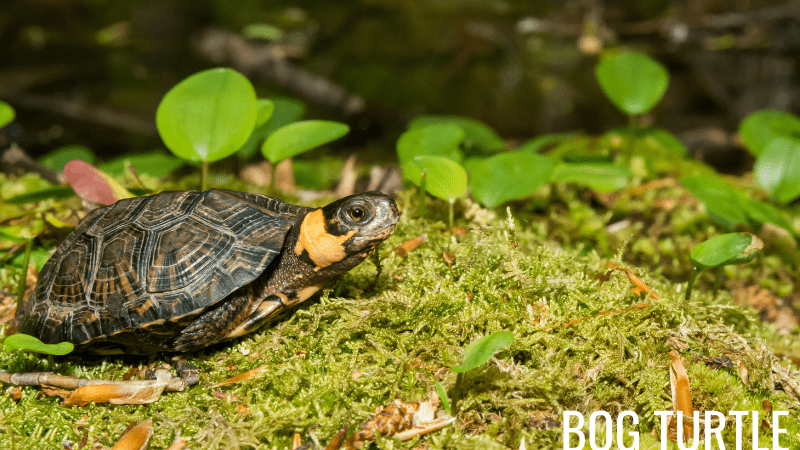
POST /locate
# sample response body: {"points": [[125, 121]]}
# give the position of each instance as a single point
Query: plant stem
{"points": [[450, 216], [633, 126], [204, 176], [23, 276], [456, 393], [421, 207], [692, 277]]}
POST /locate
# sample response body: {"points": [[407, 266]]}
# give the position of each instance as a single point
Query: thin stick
{"points": [[66, 382]]}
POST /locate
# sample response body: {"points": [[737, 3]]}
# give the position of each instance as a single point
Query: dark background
{"points": [[92, 72]]}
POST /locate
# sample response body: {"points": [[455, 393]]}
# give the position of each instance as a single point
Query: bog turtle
{"points": [[179, 271]]}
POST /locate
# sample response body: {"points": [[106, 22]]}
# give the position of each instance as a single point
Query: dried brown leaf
{"points": [[259, 174], [449, 258], [136, 438], [744, 374], [136, 393], [284, 177], [639, 286], [296, 441], [241, 377], [178, 444], [681, 392], [410, 245]]}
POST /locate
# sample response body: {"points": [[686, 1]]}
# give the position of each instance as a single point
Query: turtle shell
{"points": [[149, 265]]}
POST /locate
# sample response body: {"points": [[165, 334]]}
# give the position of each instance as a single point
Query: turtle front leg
{"points": [[272, 306], [214, 326]]}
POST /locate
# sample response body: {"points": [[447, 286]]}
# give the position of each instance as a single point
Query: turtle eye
{"points": [[356, 213]]}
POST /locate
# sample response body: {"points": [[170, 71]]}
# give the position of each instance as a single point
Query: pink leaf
{"points": [[92, 184]]}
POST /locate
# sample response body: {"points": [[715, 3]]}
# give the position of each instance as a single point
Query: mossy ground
{"points": [[361, 344]]}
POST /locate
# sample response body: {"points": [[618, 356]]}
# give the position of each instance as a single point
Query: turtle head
{"points": [[347, 229]]}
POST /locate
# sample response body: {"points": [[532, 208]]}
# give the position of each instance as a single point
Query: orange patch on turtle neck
{"points": [[323, 248]]}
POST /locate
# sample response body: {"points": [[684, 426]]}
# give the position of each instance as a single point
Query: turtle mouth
{"points": [[376, 236]]}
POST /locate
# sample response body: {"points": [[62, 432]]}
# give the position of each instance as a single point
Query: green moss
{"points": [[359, 345]]}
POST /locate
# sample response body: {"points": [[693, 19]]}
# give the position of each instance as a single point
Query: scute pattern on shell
{"points": [[149, 265]]}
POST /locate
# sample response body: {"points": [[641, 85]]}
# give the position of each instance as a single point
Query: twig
{"points": [[65, 382], [80, 110], [15, 161], [269, 62], [616, 311]]}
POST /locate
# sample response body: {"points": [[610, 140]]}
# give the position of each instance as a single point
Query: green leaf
{"points": [[656, 137], [263, 31], [29, 343], [207, 116], [726, 249], [723, 204], [265, 124], [439, 139], [58, 192], [633, 81], [546, 140], [156, 164], [59, 157], [777, 169], [598, 177], [508, 176], [265, 109], [320, 174], [482, 349], [299, 137], [762, 127], [443, 397], [286, 111], [7, 114], [761, 213], [478, 137], [444, 178]]}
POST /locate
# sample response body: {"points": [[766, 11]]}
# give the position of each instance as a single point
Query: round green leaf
{"points": [[272, 114], [482, 349], [726, 249], [208, 116], [7, 114], [777, 169], [444, 178], [299, 137], [723, 204], [598, 177], [477, 135], [157, 164], [761, 213], [265, 109], [438, 139], [656, 137], [29, 343], [545, 140], [633, 81], [59, 157], [508, 176], [762, 127]]}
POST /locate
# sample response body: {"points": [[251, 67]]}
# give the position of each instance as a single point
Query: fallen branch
{"points": [[15, 161], [175, 384]]}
